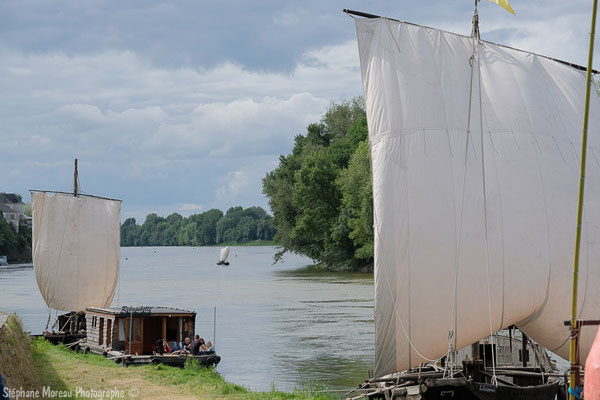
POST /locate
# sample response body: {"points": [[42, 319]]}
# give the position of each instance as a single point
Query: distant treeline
{"points": [[212, 227], [16, 246]]}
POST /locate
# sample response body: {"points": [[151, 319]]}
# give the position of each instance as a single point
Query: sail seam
{"points": [[502, 242]]}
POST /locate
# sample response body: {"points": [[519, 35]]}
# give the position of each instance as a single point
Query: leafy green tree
{"points": [[28, 210], [16, 246], [311, 194], [316, 199], [208, 230], [189, 235], [339, 118], [357, 201], [8, 238]]}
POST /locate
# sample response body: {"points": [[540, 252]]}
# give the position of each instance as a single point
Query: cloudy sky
{"points": [[183, 106]]}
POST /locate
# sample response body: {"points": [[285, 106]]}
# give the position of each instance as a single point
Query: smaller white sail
{"points": [[224, 254]]}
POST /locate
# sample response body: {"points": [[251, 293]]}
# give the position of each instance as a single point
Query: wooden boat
{"points": [[128, 335], [475, 166], [76, 250]]}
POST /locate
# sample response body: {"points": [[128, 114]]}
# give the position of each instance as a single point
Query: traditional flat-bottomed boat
{"points": [[129, 335]]}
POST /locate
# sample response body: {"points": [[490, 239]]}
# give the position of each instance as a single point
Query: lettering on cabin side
{"points": [[487, 388], [136, 310]]}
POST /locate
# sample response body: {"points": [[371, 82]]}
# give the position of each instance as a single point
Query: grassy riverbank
{"points": [[16, 356], [37, 365]]}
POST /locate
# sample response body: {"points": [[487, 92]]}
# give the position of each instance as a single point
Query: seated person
{"points": [[186, 344], [158, 348], [209, 346], [195, 345], [184, 347], [166, 348], [175, 346], [202, 345]]}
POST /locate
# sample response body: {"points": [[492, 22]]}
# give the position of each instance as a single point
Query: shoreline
{"points": [[256, 243], [50, 371]]}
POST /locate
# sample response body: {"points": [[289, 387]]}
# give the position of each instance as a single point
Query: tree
{"points": [[8, 237], [28, 210], [129, 232], [316, 211], [208, 228], [16, 246], [357, 201], [316, 199]]}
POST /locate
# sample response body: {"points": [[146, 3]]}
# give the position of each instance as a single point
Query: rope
{"points": [[48, 322], [485, 222], [453, 319], [404, 329]]}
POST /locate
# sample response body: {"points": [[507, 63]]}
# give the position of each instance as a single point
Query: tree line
{"points": [[16, 246], [237, 225], [321, 194]]}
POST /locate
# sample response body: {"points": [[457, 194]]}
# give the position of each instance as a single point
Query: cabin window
{"points": [[101, 336], [108, 331], [121, 329], [137, 330]]}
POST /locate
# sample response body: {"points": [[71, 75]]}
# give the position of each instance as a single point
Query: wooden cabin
{"points": [[135, 330]]}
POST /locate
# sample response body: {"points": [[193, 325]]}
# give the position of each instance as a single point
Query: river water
{"points": [[276, 325]]}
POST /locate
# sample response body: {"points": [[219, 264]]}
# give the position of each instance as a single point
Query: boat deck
{"points": [[206, 359]]}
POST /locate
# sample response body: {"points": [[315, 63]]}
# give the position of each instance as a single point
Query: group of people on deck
{"points": [[188, 346]]}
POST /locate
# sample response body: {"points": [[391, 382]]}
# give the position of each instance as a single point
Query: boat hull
{"points": [[460, 388]]}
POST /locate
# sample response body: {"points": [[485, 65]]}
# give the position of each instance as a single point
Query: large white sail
{"points": [[475, 157], [76, 247]]}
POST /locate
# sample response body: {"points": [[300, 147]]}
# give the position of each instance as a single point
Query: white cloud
{"points": [[237, 181], [149, 131], [191, 207], [161, 120]]}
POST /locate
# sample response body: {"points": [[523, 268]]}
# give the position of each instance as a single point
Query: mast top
{"points": [[75, 178], [475, 30]]}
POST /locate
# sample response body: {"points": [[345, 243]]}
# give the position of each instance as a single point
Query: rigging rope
{"points": [[485, 221], [454, 316]]}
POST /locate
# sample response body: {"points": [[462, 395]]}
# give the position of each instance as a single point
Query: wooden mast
{"points": [[575, 327], [75, 176]]}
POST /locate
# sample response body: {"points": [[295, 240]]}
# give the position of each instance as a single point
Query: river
{"points": [[279, 325]]}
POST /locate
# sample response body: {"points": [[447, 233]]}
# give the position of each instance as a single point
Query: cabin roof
{"points": [[140, 310]]}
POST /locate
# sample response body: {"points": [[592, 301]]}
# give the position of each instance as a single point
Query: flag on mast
{"points": [[504, 4]]}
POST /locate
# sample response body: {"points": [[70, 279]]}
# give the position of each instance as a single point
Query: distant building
{"points": [[13, 209]]}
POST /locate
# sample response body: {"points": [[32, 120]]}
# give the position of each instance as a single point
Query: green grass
{"points": [[65, 370], [16, 363]]}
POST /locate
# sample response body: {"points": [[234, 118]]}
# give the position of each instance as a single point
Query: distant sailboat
{"points": [[223, 256], [76, 248]]}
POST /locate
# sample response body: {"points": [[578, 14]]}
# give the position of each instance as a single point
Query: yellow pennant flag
{"points": [[504, 4]]}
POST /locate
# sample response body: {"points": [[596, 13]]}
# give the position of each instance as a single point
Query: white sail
{"points": [[76, 246], [224, 254], [475, 228]]}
